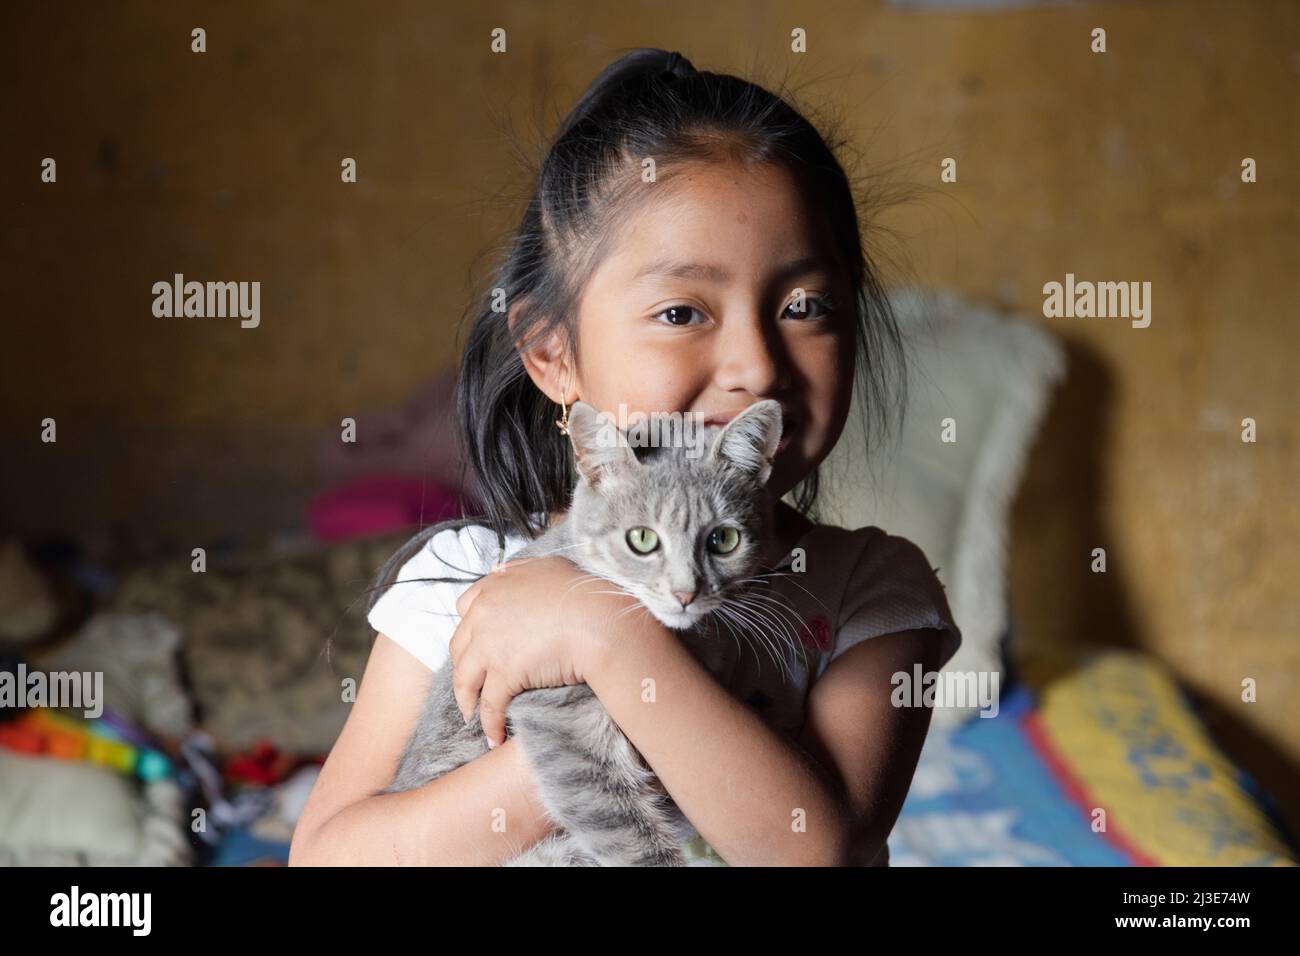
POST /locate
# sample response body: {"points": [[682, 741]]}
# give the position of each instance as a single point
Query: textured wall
{"points": [[1119, 166]]}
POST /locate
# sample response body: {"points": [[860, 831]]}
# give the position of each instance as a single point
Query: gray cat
{"points": [[683, 530]]}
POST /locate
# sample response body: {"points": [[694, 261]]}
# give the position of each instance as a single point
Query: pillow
{"points": [[56, 812], [993, 377], [1122, 737], [67, 813], [1113, 733]]}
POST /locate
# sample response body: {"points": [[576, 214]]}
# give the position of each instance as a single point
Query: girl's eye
{"points": [[642, 540], [811, 304], [723, 540], [679, 315]]}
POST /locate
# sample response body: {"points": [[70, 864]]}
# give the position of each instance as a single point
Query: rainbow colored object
{"points": [[43, 731]]}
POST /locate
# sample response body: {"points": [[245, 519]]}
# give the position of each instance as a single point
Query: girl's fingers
{"points": [[462, 639], [459, 641], [492, 706], [470, 680], [467, 678]]}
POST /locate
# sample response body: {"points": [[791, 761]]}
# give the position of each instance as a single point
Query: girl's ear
{"points": [[544, 356], [749, 440], [601, 451]]}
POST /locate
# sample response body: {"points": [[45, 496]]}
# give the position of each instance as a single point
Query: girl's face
{"points": [[696, 310]]}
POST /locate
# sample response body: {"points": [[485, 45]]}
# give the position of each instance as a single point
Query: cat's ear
{"points": [[600, 449], [749, 440]]}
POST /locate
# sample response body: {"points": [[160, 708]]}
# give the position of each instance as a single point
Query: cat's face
{"points": [[679, 528]]}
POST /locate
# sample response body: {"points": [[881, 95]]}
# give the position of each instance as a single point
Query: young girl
{"points": [[692, 246]]}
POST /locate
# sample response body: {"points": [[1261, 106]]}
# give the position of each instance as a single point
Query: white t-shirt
{"points": [[842, 587]]}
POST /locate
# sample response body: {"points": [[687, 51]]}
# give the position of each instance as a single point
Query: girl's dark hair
{"points": [[647, 103]]}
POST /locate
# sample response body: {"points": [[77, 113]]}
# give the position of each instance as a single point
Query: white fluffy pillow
{"points": [[68, 813], [994, 377]]}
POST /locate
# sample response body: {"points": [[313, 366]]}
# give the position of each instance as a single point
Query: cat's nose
{"points": [[686, 597]]}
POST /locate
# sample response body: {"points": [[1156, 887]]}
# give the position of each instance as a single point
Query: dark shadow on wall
{"points": [[1059, 603], [1062, 610]]}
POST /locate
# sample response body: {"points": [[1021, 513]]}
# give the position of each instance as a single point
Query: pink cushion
{"points": [[379, 504]]}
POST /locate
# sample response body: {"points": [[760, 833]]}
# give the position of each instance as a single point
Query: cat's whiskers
{"points": [[716, 619], [583, 579], [768, 598], [557, 549], [755, 628], [554, 551], [721, 618], [776, 605], [782, 634], [756, 638], [771, 605], [638, 606], [792, 576]]}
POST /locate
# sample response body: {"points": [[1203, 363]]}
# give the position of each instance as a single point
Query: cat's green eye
{"points": [[642, 540], [723, 540]]}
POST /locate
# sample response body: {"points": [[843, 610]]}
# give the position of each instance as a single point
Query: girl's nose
{"points": [[750, 358]]}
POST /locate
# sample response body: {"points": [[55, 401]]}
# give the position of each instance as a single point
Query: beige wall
{"points": [[1122, 166]]}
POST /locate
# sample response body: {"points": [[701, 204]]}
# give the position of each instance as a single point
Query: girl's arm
{"points": [[869, 746], [452, 821], [756, 798]]}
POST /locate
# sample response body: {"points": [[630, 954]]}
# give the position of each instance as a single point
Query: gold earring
{"points": [[562, 423]]}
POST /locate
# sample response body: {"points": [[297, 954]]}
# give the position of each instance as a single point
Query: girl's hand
{"points": [[532, 622]]}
